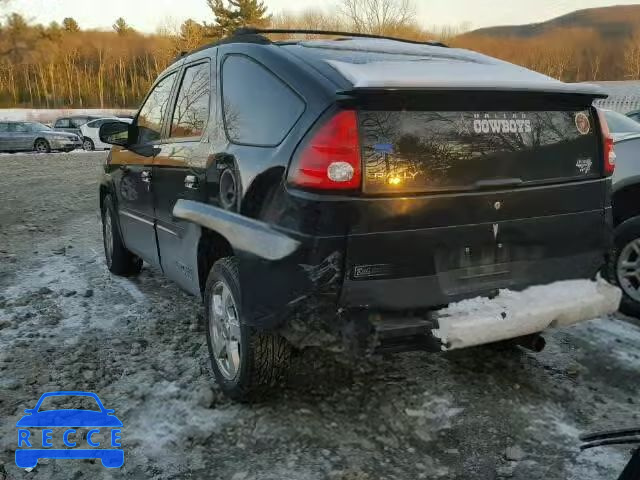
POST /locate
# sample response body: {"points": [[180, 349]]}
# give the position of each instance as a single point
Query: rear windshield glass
{"points": [[415, 151]]}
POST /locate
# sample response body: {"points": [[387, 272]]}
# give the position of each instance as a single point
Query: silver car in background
{"points": [[34, 136]]}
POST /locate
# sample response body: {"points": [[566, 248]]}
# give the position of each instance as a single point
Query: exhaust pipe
{"points": [[534, 343]]}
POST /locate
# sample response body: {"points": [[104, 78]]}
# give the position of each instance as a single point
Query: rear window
{"points": [[619, 123], [259, 108], [412, 151]]}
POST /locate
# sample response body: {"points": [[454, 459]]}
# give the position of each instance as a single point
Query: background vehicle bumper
{"points": [[65, 144]]}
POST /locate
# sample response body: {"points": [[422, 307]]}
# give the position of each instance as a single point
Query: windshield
{"points": [[619, 123], [37, 127], [63, 402]]}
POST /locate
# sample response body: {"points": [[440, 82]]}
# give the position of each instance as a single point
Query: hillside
{"points": [[610, 22]]}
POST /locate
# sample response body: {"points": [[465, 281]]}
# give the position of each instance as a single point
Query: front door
{"points": [[134, 179], [179, 173]]}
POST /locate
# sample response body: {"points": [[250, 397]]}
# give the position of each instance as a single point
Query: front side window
{"points": [[192, 106], [259, 108], [154, 111]]}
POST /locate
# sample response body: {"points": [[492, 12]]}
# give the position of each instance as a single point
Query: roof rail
{"points": [[258, 31]]}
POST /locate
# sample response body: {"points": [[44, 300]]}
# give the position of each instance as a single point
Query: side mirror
{"points": [[115, 133], [30, 410], [109, 411]]}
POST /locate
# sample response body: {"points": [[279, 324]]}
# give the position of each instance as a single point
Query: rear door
{"points": [[179, 170], [471, 193], [5, 138], [134, 176]]}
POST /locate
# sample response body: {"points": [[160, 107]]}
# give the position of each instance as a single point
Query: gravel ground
{"points": [[67, 324]]}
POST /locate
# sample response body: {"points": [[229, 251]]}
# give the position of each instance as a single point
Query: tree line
{"points": [[63, 66]]}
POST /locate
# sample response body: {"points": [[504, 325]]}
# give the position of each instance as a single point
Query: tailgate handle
{"points": [[502, 182]]}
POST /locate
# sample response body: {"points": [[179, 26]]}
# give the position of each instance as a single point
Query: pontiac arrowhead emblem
{"points": [[495, 231]]}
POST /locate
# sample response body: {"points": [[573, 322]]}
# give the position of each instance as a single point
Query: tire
{"points": [[626, 276], [87, 144], [41, 146], [120, 261], [256, 362]]}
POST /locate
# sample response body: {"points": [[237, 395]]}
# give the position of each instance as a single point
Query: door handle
{"points": [[191, 182], [145, 176]]}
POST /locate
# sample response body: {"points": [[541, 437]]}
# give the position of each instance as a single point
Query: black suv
{"points": [[362, 194]]}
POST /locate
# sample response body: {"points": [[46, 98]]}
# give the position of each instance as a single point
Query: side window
{"points": [[154, 111], [259, 109], [78, 122], [62, 123], [192, 105], [18, 127], [4, 127]]}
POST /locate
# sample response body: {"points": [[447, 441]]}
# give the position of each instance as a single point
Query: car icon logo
{"points": [[42, 427]]}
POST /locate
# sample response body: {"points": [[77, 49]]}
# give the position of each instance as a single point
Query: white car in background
{"points": [[91, 133]]}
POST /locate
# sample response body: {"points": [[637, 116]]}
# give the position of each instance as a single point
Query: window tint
{"points": [[4, 127], [259, 109], [154, 111], [192, 106], [63, 123]]}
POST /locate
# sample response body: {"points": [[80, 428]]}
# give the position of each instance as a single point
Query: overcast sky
{"points": [[147, 15]]}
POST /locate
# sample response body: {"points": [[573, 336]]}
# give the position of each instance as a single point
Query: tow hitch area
{"points": [[516, 314]]}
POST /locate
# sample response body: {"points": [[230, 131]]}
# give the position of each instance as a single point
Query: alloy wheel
{"points": [[224, 330], [42, 147], [628, 269]]}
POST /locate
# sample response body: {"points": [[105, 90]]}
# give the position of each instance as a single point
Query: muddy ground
{"points": [[67, 324]]}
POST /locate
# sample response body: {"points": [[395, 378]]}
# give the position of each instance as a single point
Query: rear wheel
{"points": [[119, 260], [41, 146], [246, 363], [626, 266], [87, 144]]}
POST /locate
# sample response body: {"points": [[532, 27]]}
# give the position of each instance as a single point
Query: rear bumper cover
{"points": [[516, 314]]}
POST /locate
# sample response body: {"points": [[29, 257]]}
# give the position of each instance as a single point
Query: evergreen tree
{"points": [[70, 25], [238, 13], [121, 27]]}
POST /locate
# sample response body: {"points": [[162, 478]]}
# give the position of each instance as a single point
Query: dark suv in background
{"points": [[73, 124], [364, 194]]}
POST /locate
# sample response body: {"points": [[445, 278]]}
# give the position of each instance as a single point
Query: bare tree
{"points": [[378, 16], [632, 57]]}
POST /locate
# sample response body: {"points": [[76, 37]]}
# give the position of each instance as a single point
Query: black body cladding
{"points": [[463, 193]]}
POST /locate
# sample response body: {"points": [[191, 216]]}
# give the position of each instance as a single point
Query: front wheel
{"points": [[627, 265], [246, 363], [42, 146], [119, 260], [87, 144]]}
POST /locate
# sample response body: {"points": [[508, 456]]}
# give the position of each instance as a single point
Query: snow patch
{"points": [[480, 320]]}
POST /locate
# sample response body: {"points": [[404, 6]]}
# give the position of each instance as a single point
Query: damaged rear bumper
{"points": [[511, 314]]}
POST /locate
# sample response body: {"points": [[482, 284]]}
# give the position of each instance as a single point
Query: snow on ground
{"points": [[483, 413], [45, 115]]}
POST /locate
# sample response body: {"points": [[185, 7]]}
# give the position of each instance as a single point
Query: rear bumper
{"points": [[516, 314]]}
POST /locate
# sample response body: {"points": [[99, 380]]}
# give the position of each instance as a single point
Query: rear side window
{"points": [[63, 123], [78, 121], [192, 106], [259, 108], [154, 111]]}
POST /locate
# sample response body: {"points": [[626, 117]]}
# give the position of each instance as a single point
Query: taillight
{"points": [[607, 141], [330, 159]]}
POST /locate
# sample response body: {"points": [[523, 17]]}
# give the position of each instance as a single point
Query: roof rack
{"points": [[257, 31]]}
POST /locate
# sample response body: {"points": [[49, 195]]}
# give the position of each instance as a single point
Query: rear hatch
{"points": [[475, 174], [484, 191]]}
